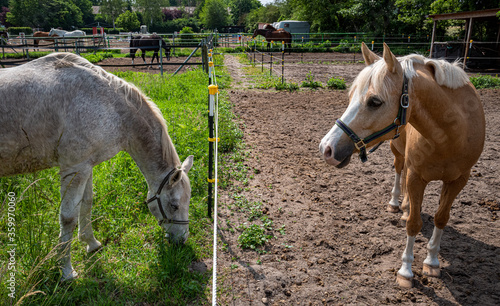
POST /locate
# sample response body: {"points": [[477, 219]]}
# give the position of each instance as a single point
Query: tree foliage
{"points": [[214, 14], [128, 21]]}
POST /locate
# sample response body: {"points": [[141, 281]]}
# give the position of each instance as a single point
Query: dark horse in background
{"points": [[276, 36], [147, 43]]}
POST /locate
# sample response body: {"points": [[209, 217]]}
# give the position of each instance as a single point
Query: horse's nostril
{"points": [[328, 152]]}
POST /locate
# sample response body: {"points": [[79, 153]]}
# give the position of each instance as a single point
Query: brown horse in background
{"points": [[277, 36], [44, 36]]}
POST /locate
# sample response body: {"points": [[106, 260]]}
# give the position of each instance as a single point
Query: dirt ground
{"points": [[341, 247]]}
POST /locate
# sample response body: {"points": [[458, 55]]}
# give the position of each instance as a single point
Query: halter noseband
{"points": [[158, 201], [360, 144]]}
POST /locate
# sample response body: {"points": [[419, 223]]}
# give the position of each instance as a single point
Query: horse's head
{"points": [[373, 111], [170, 203], [255, 33], [52, 32]]}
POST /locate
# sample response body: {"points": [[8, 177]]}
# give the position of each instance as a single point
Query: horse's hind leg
{"points": [[448, 194], [73, 184], [85, 231]]}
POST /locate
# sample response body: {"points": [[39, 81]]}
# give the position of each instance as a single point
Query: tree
{"points": [[240, 8], [45, 13], [412, 15], [86, 7], [268, 14], [151, 9], [112, 9], [128, 21], [214, 14]]}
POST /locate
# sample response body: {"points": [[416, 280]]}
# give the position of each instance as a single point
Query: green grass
{"points": [[136, 265], [310, 82]]}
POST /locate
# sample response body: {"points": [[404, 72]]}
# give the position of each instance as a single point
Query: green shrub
{"points": [[336, 83], [16, 30], [485, 81]]}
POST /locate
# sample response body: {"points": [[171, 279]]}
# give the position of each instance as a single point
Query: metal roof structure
{"points": [[470, 18]]}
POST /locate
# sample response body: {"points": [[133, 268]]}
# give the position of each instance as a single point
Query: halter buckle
{"points": [[405, 100], [360, 145]]}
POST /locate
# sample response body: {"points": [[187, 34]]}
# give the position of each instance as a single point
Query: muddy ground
{"points": [[339, 245]]}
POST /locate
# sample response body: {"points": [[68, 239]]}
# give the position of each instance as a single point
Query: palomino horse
{"points": [[148, 42], [444, 134], [276, 36], [46, 125], [43, 36]]}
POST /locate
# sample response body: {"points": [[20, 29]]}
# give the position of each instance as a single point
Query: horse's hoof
{"points": [[392, 209], [432, 271], [71, 276], [404, 282], [96, 247]]}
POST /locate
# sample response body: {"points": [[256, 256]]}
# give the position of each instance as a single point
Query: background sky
{"points": [[264, 2]]}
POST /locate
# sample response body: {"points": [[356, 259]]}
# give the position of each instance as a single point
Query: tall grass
{"points": [[136, 264]]}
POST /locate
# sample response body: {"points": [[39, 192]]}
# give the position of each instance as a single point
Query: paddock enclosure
{"points": [[338, 245]]}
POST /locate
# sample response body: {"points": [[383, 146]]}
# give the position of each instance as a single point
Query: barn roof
{"points": [[484, 14]]}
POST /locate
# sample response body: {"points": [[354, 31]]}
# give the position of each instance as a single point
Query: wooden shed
{"points": [[474, 53]]}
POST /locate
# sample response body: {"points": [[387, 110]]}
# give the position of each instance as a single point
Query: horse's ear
{"points": [[187, 164], [368, 55], [175, 178], [391, 61]]}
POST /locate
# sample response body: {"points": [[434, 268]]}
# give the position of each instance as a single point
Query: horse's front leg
{"points": [[73, 183], [85, 231], [399, 161], [415, 190]]}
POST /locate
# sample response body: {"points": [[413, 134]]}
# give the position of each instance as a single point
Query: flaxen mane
{"points": [[445, 74], [133, 97]]}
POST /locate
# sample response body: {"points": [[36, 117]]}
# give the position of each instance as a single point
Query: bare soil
{"points": [[169, 67], [340, 246]]}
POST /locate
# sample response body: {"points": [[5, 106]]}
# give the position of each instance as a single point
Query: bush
{"points": [[336, 83], [485, 81], [14, 31]]}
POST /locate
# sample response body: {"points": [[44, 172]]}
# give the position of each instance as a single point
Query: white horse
{"points": [[62, 111], [63, 33]]}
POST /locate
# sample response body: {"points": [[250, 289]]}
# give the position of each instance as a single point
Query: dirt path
{"points": [[337, 243]]}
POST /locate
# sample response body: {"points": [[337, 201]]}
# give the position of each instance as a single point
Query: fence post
{"points": [[212, 91], [161, 57], [282, 62], [204, 56]]}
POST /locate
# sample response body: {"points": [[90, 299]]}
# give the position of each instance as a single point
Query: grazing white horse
{"points": [[63, 33], [62, 111], [437, 114]]}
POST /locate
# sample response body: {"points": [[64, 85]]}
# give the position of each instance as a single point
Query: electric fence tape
{"points": [[215, 96]]}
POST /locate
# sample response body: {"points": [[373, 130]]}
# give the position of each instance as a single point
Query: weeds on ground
{"points": [[310, 82], [336, 83]]}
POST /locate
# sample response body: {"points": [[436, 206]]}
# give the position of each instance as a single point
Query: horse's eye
{"points": [[374, 102]]}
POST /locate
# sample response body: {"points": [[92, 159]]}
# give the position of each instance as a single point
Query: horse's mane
{"points": [[133, 97], [446, 74]]}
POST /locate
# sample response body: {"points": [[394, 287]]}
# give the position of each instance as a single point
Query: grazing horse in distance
{"points": [[45, 125], [148, 42], [437, 114], [276, 36], [63, 33], [43, 36]]}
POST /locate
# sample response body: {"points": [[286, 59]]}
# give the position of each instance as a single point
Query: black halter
{"points": [[361, 143], [158, 201]]}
